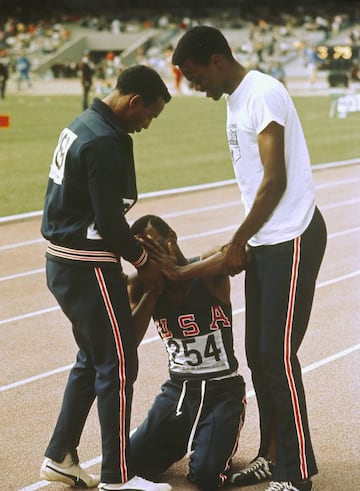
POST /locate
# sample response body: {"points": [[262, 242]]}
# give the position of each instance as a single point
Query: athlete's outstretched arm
{"points": [[211, 263], [142, 303]]}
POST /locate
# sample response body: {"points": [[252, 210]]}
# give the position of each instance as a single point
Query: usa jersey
{"points": [[197, 334]]}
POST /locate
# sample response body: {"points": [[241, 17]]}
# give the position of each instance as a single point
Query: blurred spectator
{"points": [[109, 64], [355, 71], [277, 71], [311, 63], [4, 75], [23, 66], [259, 47], [86, 70], [116, 27], [175, 70]]}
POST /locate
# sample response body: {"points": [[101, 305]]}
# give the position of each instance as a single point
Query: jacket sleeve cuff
{"points": [[142, 260]]}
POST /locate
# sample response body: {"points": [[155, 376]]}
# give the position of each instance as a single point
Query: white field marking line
{"points": [[193, 211], [55, 308], [203, 209], [152, 339], [340, 203], [181, 239], [249, 394], [187, 189], [189, 212], [21, 275], [238, 203], [21, 244], [341, 182], [30, 314]]}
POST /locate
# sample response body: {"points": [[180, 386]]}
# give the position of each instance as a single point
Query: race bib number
{"points": [[67, 137], [197, 355]]}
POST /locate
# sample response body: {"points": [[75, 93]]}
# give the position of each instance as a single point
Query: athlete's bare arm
{"points": [[211, 267], [142, 303], [271, 189]]}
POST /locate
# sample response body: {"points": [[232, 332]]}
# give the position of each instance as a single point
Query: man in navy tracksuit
{"points": [[91, 186]]}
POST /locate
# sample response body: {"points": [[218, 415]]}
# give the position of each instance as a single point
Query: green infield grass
{"points": [[185, 146]]}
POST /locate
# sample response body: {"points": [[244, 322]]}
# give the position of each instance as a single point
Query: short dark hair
{"points": [[155, 221], [199, 44], [144, 81]]}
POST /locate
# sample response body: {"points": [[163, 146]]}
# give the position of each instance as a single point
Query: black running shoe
{"points": [[259, 470]]}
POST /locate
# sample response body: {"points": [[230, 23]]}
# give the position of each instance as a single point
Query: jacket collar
{"points": [[99, 106]]}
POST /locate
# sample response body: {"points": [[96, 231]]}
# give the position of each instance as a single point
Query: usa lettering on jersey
{"points": [[194, 352], [189, 326]]}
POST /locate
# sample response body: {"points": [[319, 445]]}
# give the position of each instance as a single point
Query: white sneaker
{"points": [[136, 484], [68, 472]]}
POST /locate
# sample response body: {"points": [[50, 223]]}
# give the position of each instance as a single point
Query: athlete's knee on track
{"points": [[206, 478]]}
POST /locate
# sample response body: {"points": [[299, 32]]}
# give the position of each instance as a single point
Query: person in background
{"points": [[285, 235], [4, 75], [86, 72], [91, 186], [175, 70], [23, 66], [201, 408], [277, 71]]}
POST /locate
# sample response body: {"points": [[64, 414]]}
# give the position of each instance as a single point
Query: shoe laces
{"points": [[279, 486], [258, 463]]}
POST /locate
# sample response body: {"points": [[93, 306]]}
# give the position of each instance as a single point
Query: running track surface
{"points": [[37, 348]]}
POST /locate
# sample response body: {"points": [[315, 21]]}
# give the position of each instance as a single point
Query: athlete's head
{"points": [[139, 96], [199, 44], [205, 58], [144, 81], [156, 228]]}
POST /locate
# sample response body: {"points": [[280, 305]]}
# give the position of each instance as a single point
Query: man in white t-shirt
{"points": [[285, 236]]}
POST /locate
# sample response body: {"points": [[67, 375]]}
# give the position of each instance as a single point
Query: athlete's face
{"points": [[160, 239], [160, 243], [207, 78], [140, 115]]}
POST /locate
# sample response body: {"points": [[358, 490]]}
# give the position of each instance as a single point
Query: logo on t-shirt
{"points": [[233, 143]]}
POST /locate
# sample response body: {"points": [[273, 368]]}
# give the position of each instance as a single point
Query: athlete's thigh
{"points": [[277, 283], [96, 302], [267, 293], [219, 428], [162, 436]]}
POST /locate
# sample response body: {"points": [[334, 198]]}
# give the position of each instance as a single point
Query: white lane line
{"points": [[65, 368], [347, 202], [208, 208], [181, 239], [52, 309], [343, 232], [340, 182], [331, 358], [21, 244], [28, 380], [339, 278], [200, 187], [30, 314], [20, 275], [148, 340], [249, 394]]}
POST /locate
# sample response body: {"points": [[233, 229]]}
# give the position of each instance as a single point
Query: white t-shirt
{"points": [[257, 101]]}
